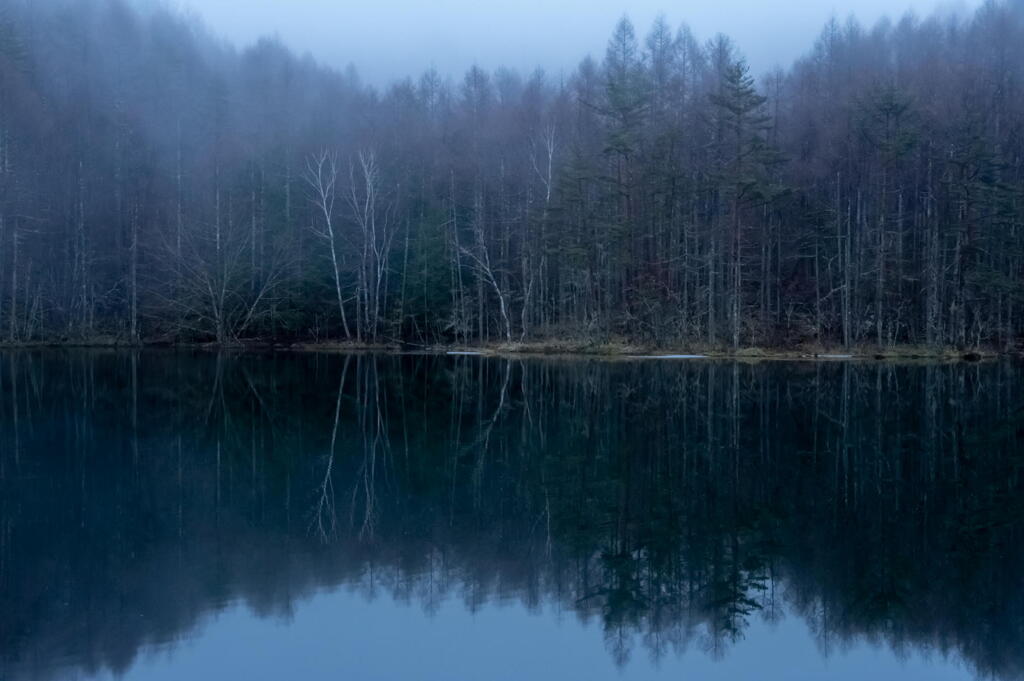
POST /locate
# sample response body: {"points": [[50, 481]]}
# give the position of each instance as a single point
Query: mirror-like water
{"points": [[169, 515]]}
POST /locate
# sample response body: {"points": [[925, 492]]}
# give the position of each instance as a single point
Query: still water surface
{"points": [[178, 515]]}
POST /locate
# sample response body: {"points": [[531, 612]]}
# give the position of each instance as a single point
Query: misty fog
{"points": [[394, 38], [659, 183]]}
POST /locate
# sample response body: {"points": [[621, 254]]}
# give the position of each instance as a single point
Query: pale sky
{"points": [[389, 39]]}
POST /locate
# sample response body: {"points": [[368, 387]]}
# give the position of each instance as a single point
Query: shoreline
{"points": [[555, 349]]}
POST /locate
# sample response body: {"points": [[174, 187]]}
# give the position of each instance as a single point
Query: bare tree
{"points": [[322, 178], [373, 216], [480, 261], [216, 293]]}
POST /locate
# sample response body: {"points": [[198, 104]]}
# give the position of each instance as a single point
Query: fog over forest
{"points": [[158, 184], [390, 39]]}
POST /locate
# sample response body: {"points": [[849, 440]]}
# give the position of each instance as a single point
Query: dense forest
{"points": [[157, 184], [141, 492]]}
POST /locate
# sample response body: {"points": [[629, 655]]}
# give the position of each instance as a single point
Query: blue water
{"points": [[179, 515]]}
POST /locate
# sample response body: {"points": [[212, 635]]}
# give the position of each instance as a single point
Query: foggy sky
{"points": [[389, 39]]}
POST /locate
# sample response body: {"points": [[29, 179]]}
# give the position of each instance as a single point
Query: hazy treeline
{"points": [[156, 184], [138, 493]]}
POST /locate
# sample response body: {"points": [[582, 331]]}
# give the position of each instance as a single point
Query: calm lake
{"points": [[188, 515]]}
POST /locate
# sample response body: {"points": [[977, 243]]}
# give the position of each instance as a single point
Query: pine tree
{"points": [[746, 160]]}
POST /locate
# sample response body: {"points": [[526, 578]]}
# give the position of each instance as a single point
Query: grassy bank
{"points": [[622, 349], [692, 351]]}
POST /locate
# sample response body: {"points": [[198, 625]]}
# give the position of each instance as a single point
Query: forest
{"points": [[158, 185]]}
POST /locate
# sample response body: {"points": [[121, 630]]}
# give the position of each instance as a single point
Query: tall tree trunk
{"points": [[737, 274], [134, 273], [13, 320], [880, 262]]}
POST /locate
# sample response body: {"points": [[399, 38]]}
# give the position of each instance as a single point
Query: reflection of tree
{"points": [[875, 501], [376, 447], [325, 516]]}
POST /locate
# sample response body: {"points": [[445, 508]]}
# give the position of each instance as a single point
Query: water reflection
{"points": [[675, 505]]}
